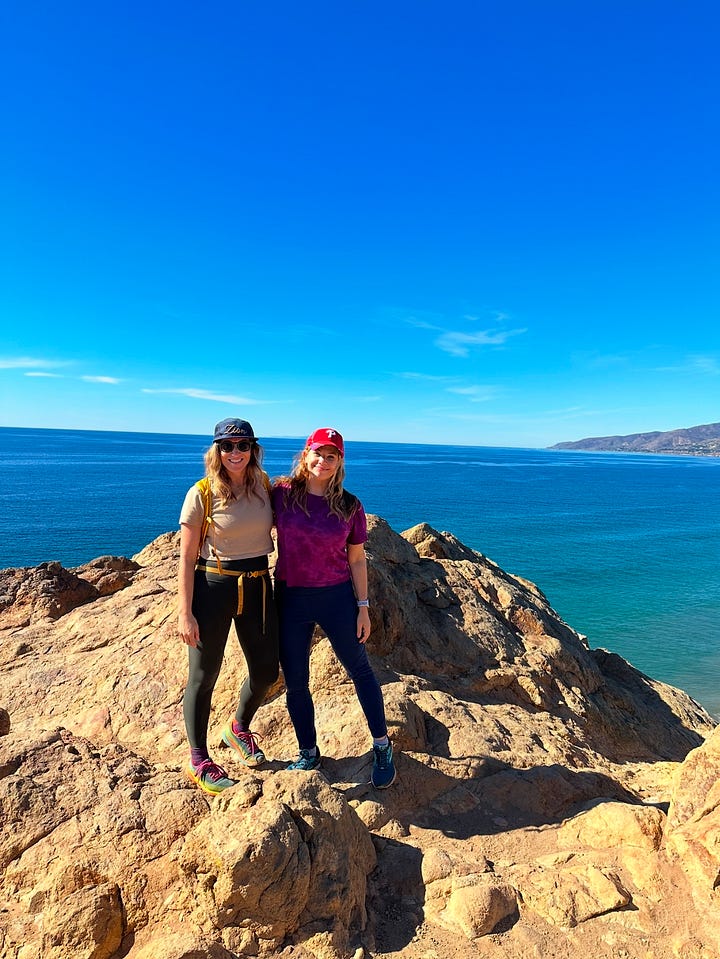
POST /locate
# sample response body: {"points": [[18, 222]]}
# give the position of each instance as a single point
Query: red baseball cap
{"points": [[326, 437]]}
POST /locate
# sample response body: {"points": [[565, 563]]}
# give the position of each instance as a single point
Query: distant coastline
{"points": [[693, 441]]}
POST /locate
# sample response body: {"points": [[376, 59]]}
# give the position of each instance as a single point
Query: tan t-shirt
{"points": [[239, 530]]}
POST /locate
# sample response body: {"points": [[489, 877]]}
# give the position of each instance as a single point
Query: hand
{"points": [[363, 624], [188, 629]]}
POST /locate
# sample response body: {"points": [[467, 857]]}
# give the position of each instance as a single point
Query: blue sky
{"points": [[459, 222]]}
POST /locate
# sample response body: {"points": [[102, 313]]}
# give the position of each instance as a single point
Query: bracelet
{"points": [[364, 602]]}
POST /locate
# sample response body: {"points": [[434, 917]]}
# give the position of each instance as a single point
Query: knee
{"points": [[296, 673], [202, 681], [358, 665], [297, 685]]}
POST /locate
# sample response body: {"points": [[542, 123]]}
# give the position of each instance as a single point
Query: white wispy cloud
{"points": [[101, 379], [498, 317], [29, 362], [53, 376], [695, 363], [461, 342], [476, 394], [458, 343], [196, 394], [538, 417], [603, 361], [422, 324], [425, 377]]}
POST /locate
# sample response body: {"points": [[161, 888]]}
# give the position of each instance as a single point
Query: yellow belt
{"points": [[240, 575]]}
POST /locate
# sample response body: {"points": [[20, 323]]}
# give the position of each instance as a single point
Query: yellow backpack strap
{"points": [[203, 486]]}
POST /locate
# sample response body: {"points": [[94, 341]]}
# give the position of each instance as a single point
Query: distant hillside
{"points": [[694, 441]]}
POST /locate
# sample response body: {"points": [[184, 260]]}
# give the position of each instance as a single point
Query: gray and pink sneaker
{"points": [[245, 744], [209, 777]]}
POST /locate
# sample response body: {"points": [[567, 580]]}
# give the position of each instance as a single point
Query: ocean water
{"points": [[626, 547]]}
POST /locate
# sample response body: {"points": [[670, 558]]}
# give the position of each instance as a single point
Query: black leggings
{"points": [[215, 605]]}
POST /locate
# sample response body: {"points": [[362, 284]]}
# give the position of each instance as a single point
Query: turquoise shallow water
{"points": [[626, 547]]}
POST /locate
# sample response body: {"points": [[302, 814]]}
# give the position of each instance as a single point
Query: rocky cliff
{"points": [[552, 801]]}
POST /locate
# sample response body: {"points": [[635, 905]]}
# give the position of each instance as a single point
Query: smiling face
{"points": [[233, 459], [323, 463]]}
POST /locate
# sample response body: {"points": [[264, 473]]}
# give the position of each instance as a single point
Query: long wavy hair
{"points": [[219, 477], [340, 502]]}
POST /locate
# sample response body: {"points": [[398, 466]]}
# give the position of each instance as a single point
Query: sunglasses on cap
{"points": [[242, 446]]}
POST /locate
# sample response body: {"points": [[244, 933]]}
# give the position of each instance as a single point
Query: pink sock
{"points": [[198, 756]]}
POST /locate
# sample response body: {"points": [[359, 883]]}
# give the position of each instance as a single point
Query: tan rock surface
{"points": [[530, 817], [693, 834]]}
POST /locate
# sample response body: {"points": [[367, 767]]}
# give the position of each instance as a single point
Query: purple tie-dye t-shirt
{"points": [[312, 550]]}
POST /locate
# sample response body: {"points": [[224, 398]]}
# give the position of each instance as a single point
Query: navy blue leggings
{"points": [[334, 609]]}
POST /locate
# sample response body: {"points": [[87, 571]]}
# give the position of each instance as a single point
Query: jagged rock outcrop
{"points": [[49, 591], [551, 799]]}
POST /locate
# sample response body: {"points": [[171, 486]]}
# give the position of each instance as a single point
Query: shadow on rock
{"points": [[396, 895]]}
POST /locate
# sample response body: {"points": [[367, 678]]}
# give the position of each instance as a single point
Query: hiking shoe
{"points": [[245, 744], [383, 771], [209, 777], [306, 761]]}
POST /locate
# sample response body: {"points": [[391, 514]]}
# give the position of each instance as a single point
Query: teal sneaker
{"points": [[209, 777], [245, 745], [306, 761], [383, 771]]}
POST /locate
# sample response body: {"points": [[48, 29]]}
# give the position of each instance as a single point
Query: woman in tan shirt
{"points": [[223, 578]]}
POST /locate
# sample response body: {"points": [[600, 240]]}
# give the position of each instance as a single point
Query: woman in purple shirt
{"points": [[321, 579]]}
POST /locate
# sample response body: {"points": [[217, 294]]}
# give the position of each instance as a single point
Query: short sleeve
{"points": [[193, 509], [358, 528]]}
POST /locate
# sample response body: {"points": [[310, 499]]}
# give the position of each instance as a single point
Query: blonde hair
{"points": [[340, 502], [220, 482]]}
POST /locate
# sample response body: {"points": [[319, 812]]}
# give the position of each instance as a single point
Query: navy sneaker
{"points": [[383, 771], [306, 761]]}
